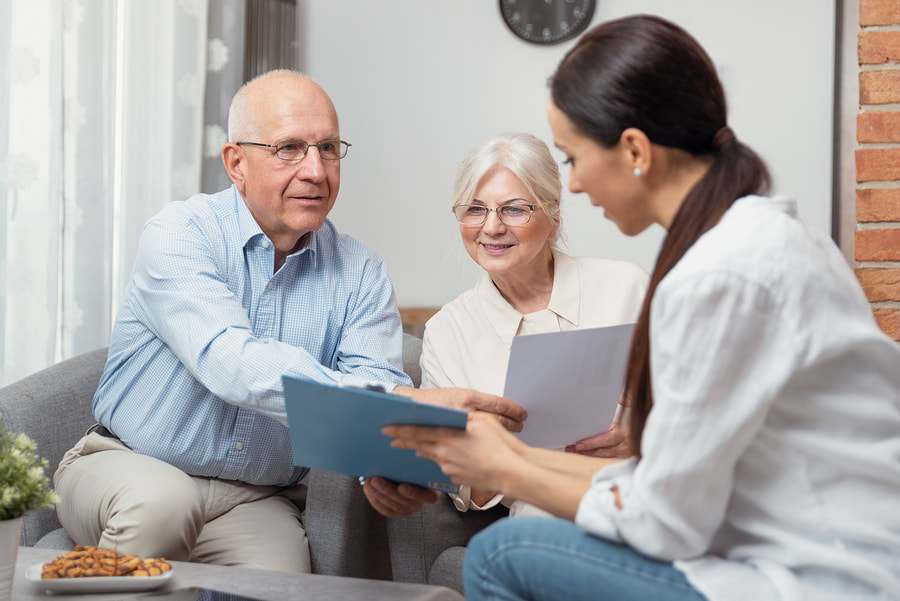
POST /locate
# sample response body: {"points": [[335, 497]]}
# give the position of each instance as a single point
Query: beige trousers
{"points": [[115, 498]]}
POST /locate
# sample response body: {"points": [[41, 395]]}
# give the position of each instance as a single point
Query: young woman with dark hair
{"points": [[765, 401]]}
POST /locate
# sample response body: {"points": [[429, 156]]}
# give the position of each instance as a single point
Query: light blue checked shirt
{"points": [[206, 331]]}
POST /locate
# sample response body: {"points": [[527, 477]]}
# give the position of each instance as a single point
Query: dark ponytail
{"points": [[647, 73]]}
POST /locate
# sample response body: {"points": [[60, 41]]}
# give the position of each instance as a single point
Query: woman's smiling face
{"points": [[504, 249]]}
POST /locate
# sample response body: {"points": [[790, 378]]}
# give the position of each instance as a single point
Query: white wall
{"points": [[418, 82]]}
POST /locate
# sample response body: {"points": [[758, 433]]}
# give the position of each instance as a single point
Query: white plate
{"points": [[96, 584]]}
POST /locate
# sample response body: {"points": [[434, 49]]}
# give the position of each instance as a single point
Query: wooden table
{"points": [[260, 584]]}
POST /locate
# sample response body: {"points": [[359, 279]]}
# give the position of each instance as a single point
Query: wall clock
{"points": [[547, 21]]}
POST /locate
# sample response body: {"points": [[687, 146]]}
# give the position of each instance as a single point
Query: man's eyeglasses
{"points": [[294, 150], [514, 214]]}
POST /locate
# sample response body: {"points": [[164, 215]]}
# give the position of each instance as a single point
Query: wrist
{"points": [[510, 477], [622, 415]]}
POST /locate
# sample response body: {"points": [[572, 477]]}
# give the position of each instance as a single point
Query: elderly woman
{"points": [[506, 199]]}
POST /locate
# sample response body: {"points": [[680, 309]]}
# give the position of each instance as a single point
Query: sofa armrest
{"points": [[53, 407]]}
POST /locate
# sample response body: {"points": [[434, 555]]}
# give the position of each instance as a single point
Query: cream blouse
{"points": [[467, 343]]}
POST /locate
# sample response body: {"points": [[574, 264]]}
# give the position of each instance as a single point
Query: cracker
{"points": [[86, 561]]}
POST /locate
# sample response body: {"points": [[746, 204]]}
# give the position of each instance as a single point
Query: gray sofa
{"points": [[346, 536]]}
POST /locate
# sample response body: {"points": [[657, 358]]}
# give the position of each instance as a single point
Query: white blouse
{"points": [[771, 458], [467, 343]]}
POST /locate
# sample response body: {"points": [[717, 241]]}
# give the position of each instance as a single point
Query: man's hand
{"points": [[612, 443], [396, 500], [511, 415]]}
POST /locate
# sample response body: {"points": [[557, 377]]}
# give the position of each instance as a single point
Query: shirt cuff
{"points": [[492, 502], [463, 500], [597, 510]]}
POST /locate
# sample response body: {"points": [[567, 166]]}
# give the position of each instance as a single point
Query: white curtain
{"points": [[108, 110]]}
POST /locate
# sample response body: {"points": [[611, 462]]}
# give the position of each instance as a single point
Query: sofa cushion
{"points": [[53, 407]]}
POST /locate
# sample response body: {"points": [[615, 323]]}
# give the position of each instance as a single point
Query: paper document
{"points": [[338, 429], [569, 382]]}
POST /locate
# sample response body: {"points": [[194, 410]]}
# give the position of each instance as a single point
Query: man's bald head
{"points": [[244, 115]]}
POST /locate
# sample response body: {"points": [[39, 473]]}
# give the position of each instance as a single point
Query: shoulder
{"points": [[458, 311], [211, 219], [598, 276], [201, 221], [750, 242], [622, 272], [759, 249], [330, 240], [459, 321], [199, 208], [346, 257]]}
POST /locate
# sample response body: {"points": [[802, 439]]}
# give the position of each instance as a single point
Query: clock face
{"points": [[547, 21]]}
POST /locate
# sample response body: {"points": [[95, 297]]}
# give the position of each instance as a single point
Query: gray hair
{"points": [[527, 157], [241, 125]]}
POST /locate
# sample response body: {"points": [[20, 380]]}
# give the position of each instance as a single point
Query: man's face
{"points": [[289, 198]]}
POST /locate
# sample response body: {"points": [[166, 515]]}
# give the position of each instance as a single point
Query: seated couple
{"points": [[191, 458]]}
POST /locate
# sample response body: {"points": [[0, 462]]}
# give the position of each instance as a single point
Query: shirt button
{"points": [[460, 504], [269, 287], [265, 244], [239, 446]]}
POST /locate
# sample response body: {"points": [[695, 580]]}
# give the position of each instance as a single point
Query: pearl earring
{"points": [[638, 172]]}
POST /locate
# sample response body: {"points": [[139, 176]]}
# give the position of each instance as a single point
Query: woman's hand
{"points": [[612, 443], [480, 456]]}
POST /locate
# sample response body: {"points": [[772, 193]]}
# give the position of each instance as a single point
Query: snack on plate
{"points": [[88, 561]]}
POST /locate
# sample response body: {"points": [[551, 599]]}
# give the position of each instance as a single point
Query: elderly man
{"points": [[191, 459]]}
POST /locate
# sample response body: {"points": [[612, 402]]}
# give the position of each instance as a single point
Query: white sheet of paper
{"points": [[569, 382]]}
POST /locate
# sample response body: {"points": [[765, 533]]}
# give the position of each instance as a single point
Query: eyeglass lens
{"points": [[328, 149], [508, 214]]}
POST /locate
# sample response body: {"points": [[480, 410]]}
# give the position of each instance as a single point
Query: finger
{"points": [[613, 436], [402, 496], [395, 502], [426, 433], [509, 424], [425, 450], [598, 442], [418, 494], [497, 420], [383, 496], [377, 502], [422, 448], [498, 406], [605, 452], [404, 443]]}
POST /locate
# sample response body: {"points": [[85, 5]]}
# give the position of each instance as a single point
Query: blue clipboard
{"points": [[338, 429]]}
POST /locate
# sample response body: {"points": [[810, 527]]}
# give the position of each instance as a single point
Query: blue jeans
{"points": [[548, 558]]}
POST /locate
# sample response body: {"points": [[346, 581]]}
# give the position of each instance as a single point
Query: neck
{"points": [[676, 173], [528, 290], [281, 255]]}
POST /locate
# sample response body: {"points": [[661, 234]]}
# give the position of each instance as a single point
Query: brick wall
{"points": [[877, 237]]}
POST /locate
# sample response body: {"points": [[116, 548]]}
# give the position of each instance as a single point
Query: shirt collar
{"points": [[499, 313], [249, 228], [247, 225], [565, 299]]}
